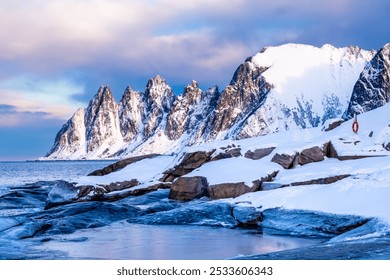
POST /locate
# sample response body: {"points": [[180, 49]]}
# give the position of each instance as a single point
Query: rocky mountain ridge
{"points": [[280, 88]]}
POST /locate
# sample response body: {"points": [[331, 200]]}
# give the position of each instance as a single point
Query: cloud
{"points": [[53, 99], [92, 42]]}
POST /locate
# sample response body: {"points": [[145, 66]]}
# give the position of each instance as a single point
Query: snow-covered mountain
{"points": [[280, 88], [372, 90]]}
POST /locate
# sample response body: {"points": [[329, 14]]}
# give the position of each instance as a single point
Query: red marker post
{"points": [[355, 125]]}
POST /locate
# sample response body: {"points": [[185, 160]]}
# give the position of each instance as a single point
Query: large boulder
{"points": [[228, 190], [259, 153], [188, 188], [310, 155], [286, 161]]}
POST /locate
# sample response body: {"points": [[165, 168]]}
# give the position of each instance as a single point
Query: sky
{"points": [[55, 54]]}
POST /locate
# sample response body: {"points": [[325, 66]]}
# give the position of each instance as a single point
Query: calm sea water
{"points": [[25, 172]]}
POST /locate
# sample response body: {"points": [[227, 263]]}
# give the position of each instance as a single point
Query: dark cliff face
{"points": [[158, 102], [372, 90], [131, 114], [101, 119], [189, 111], [241, 97]]}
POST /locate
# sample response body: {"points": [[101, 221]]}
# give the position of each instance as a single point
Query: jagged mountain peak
{"points": [[291, 86], [372, 90]]}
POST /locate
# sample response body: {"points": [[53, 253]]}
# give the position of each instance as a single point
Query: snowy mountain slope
{"points": [[372, 90], [280, 88], [309, 86]]}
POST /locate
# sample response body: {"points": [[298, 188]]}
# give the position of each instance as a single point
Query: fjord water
{"points": [[24, 232]]}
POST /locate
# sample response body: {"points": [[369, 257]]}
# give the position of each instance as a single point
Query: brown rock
{"points": [[188, 188], [310, 155], [228, 190], [190, 162], [330, 151], [117, 186], [259, 153], [229, 153], [119, 165], [321, 181], [286, 161], [258, 184]]}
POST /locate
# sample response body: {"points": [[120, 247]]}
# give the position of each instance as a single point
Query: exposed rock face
{"points": [[311, 155], [286, 161], [242, 97], [190, 110], [372, 90], [228, 190], [131, 114], [259, 153], [314, 154], [119, 165], [102, 121], [159, 98], [188, 188], [330, 151]]}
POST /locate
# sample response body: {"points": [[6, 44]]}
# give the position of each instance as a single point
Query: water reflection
{"points": [[147, 242]]}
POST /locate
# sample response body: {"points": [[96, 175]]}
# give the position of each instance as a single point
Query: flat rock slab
{"points": [[228, 190]]}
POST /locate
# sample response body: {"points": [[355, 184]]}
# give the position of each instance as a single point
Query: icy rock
{"points": [[188, 188], [228, 190], [309, 223], [63, 192], [72, 217], [247, 216], [205, 214]]}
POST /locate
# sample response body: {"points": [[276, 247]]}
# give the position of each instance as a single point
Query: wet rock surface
{"points": [[309, 223]]}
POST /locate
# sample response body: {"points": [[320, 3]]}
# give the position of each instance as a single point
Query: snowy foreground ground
{"points": [[349, 217]]}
